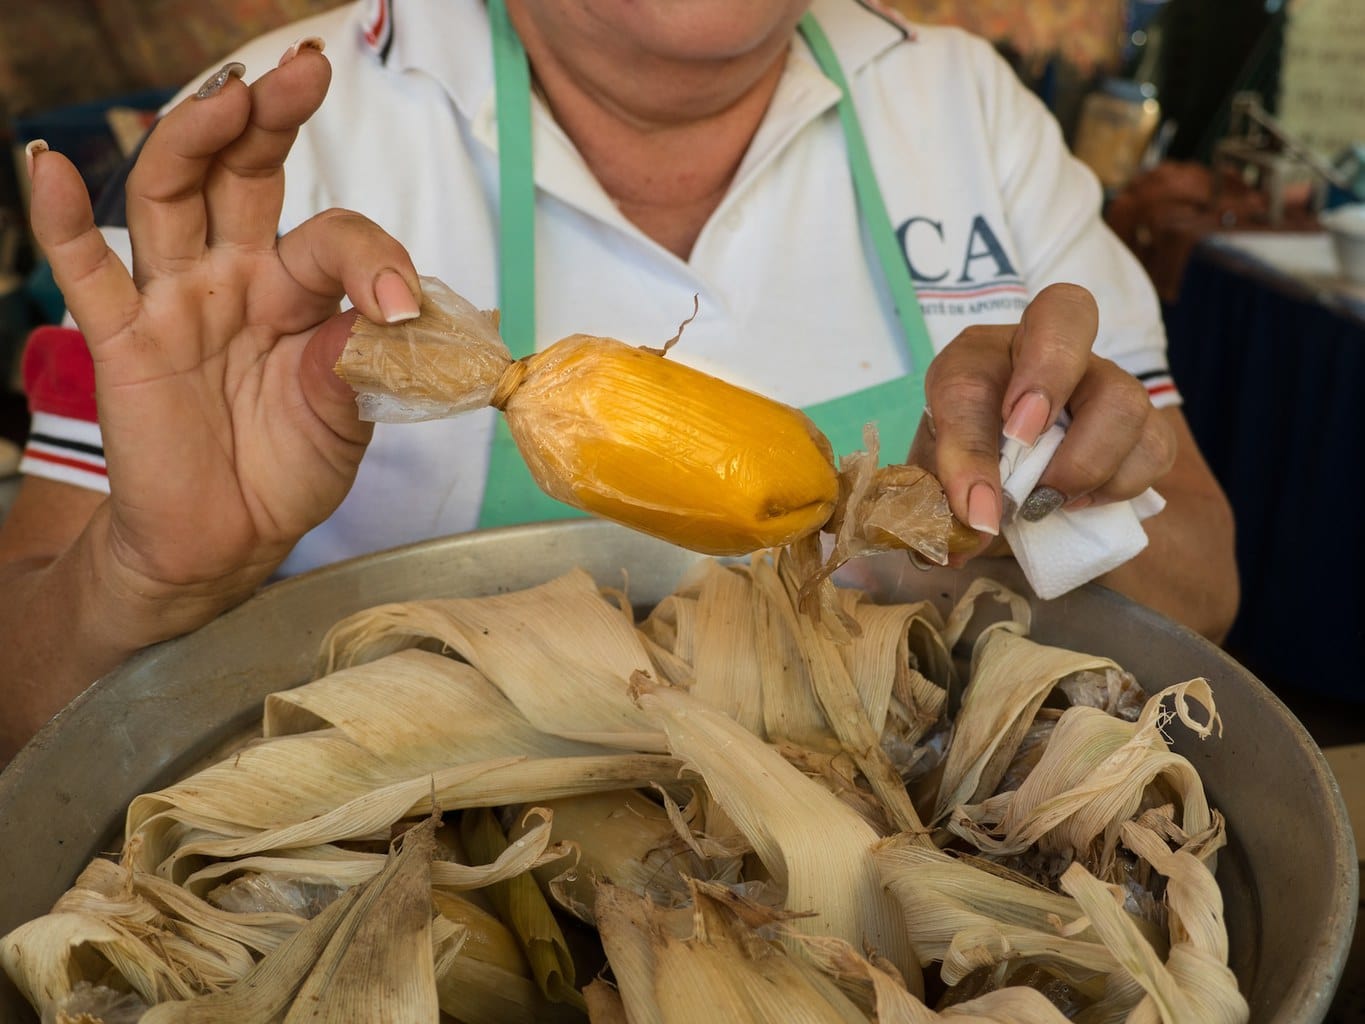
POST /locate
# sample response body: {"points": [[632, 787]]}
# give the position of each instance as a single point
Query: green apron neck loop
{"points": [[516, 186], [872, 206]]}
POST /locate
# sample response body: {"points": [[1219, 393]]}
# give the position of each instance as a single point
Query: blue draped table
{"points": [[1271, 363]]}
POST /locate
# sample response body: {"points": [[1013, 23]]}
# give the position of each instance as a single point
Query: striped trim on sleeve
{"points": [[64, 441], [1160, 387], [65, 449]]}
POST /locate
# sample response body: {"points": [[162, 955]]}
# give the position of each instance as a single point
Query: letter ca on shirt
{"points": [[957, 272]]}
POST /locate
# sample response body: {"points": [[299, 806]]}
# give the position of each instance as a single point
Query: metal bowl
{"points": [[1289, 877]]}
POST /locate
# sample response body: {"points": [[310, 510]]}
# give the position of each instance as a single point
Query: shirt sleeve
{"points": [[1053, 203], [64, 440]]}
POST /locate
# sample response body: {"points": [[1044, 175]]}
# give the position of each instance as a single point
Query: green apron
{"points": [[511, 495]]}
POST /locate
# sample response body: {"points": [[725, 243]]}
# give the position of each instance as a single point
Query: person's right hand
{"points": [[227, 436]]}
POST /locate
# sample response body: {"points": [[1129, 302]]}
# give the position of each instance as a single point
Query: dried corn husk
{"points": [[266, 992], [119, 932], [630, 841], [466, 719], [392, 731], [604, 1004], [716, 634], [504, 781], [967, 918], [1011, 678], [684, 965], [379, 963], [815, 848], [1093, 778], [523, 908], [563, 633], [1194, 984], [878, 987], [892, 508]]}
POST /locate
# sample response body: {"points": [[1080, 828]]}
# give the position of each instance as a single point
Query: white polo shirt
{"points": [[989, 204]]}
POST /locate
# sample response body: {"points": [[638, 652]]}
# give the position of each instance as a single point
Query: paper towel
{"points": [[1067, 549]]}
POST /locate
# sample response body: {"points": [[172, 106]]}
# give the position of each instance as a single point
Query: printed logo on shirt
{"points": [[960, 272]]}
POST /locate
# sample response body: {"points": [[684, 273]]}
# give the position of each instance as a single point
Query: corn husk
{"points": [[684, 965], [716, 633], [522, 907], [1093, 778], [883, 993], [604, 1004], [560, 652], [490, 980], [813, 846], [1194, 984], [967, 918], [100, 927], [507, 780], [754, 869], [465, 719], [267, 991], [628, 840], [891, 508], [1011, 678]]}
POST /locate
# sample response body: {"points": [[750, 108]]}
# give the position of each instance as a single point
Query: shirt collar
{"points": [[422, 36], [860, 31]]}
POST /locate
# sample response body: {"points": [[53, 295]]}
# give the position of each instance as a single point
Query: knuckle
{"points": [[1066, 294], [340, 219], [955, 390], [983, 336]]}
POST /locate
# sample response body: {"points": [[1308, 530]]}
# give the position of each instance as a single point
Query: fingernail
{"points": [[1028, 418], [215, 82], [983, 509], [1041, 503], [31, 152], [306, 43], [1084, 501], [395, 299]]}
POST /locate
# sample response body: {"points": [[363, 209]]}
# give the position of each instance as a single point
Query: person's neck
{"points": [[663, 137]]}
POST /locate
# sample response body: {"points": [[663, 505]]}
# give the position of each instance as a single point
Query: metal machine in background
{"points": [[1259, 150]]}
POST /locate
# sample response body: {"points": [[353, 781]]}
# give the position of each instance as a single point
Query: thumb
{"points": [[330, 397]]}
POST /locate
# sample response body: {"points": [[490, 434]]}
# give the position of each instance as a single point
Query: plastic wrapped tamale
{"points": [[618, 431], [628, 434]]}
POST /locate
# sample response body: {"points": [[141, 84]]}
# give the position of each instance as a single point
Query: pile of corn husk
{"points": [[532, 807]]}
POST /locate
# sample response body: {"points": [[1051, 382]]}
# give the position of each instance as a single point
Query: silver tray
{"points": [[1289, 877]]}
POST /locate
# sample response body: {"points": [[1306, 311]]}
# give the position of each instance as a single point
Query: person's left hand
{"points": [[1015, 379]]}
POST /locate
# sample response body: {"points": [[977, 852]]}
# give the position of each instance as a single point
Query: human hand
{"points": [[227, 436], [1016, 380]]}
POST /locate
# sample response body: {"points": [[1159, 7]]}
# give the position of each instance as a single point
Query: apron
{"points": [[511, 494]]}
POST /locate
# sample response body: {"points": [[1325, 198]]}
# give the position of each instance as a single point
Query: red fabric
{"points": [[59, 377]]}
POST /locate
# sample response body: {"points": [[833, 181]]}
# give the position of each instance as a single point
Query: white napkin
{"points": [[1067, 549]]}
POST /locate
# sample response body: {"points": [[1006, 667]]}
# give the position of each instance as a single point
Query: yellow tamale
{"points": [[631, 435], [621, 432]]}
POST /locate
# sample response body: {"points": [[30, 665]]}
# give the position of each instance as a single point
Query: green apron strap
{"points": [[516, 186], [895, 405], [511, 494], [873, 208]]}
